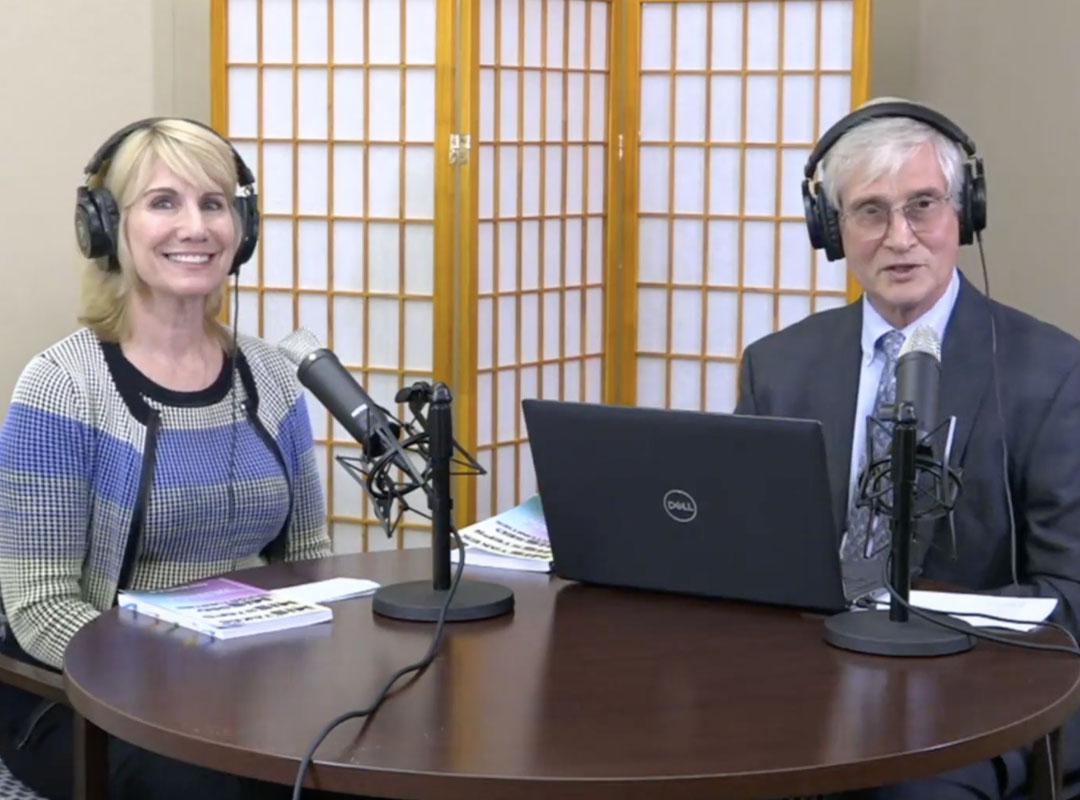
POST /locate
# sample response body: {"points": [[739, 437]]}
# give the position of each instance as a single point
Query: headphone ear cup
{"points": [[822, 221], [975, 188], [813, 217], [247, 207], [96, 221], [830, 225]]}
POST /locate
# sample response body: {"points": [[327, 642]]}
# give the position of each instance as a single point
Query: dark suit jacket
{"points": [[811, 370]]}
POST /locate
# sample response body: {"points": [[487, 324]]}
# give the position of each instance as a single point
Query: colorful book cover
{"points": [[513, 539], [224, 608]]}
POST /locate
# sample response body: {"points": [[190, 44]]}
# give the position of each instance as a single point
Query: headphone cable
{"points": [[1000, 415], [234, 402]]}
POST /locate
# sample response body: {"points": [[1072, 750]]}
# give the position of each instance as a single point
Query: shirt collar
{"points": [[937, 317]]}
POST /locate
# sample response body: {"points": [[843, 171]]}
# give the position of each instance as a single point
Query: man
{"points": [[900, 190]]}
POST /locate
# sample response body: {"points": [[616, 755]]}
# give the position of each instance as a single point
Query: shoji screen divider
{"points": [[539, 172], [622, 219], [732, 96], [341, 108]]}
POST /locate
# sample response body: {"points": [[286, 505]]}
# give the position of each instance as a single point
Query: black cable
{"points": [[938, 618], [997, 407], [232, 392], [417, 667]]}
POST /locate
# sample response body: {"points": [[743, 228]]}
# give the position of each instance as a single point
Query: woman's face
{"points": [[181, 237]]}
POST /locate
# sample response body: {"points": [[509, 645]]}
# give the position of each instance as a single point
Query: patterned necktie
{"points": [[868, 534]]}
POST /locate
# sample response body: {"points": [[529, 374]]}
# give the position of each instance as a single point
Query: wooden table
{"points": [[583, 692]]}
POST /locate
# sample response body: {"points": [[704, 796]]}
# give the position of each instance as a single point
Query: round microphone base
{"points": [[419, 601], [873, 632]]}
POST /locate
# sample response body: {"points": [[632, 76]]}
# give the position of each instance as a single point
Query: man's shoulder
{"points": [[1028, 339], [810, 334]]}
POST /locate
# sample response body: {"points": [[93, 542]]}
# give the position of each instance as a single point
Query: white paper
{"points": [[329, 590], [967, 607]]}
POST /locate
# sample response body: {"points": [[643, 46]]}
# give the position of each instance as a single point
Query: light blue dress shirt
{"points": [[873, 361]]}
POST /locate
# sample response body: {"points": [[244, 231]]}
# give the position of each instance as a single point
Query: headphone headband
{"points": [[823, 221], [895, 108], [97, 216], [107, 150]]}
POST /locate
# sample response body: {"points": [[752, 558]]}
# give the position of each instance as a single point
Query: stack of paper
{"points": [[1026, 611]]}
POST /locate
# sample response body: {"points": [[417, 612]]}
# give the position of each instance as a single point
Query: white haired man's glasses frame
{"points": [[871, 220]]}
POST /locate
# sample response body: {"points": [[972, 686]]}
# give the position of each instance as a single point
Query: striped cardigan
{"points": [[108, 480]]}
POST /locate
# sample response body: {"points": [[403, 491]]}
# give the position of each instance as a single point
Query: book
{"points": [[514, 539], [328, 591], [224, 608]]}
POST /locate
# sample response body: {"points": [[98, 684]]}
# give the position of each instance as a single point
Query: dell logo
{"points": [[680, 506]]}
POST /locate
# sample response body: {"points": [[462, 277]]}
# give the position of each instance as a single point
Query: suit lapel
{"points": [[833, 392], [966, 365]]}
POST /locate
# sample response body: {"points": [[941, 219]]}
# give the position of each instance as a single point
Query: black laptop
{"points": [[719, 505]]}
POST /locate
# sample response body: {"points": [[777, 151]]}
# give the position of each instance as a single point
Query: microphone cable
{"points": [[417, 667], [939, 618]]}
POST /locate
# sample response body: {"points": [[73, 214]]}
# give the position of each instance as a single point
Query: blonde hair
{"points": [[195, 154]]}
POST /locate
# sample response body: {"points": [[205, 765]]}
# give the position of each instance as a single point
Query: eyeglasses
{"points": [[871, 220]]}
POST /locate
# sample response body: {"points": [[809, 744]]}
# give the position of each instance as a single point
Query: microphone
{"points": [[320, 371], [893, 486], [918, 377]]}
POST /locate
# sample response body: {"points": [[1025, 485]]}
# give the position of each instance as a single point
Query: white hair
{"points": [[880, 147]]}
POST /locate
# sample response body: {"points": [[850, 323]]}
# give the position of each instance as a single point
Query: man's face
{"points": [[901, 235]]}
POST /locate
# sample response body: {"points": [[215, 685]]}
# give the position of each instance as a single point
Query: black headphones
{"points": [[823, 220], [97, 216]]}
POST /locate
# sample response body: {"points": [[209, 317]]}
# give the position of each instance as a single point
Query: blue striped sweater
{"points": [[109, 480]]}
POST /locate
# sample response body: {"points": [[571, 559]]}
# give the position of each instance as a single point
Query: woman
{"points": [[151, 447]]}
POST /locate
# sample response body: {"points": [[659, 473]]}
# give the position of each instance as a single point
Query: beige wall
{"points": [[75, 71], [1005, 71]]}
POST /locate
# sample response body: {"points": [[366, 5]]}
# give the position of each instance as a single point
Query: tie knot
{"points": [[890, 344]]}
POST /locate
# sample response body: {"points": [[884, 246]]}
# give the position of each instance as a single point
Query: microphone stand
{"points": [[423, 600], [892, 632]]}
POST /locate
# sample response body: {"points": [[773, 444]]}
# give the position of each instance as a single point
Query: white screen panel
{"points": [[312, 178], [277, 316], [243, 31], [311, 31], [727, 35], [508, 34], [243, 111], [384, 35], [723, 252], [420, 105], [383, 257], [420, 259], [556, 19], [762, 35], [312, 102], [420, 16], [312, 239], [691, 40], [723, 313], [685, 383], [348, 264], [689, 246], [800, 33], [278, 253], [277, 103], [835, 34], [277, 25]]}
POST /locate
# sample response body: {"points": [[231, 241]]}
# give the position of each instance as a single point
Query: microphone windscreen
{"points": [[299, 344], [924, 339]]}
